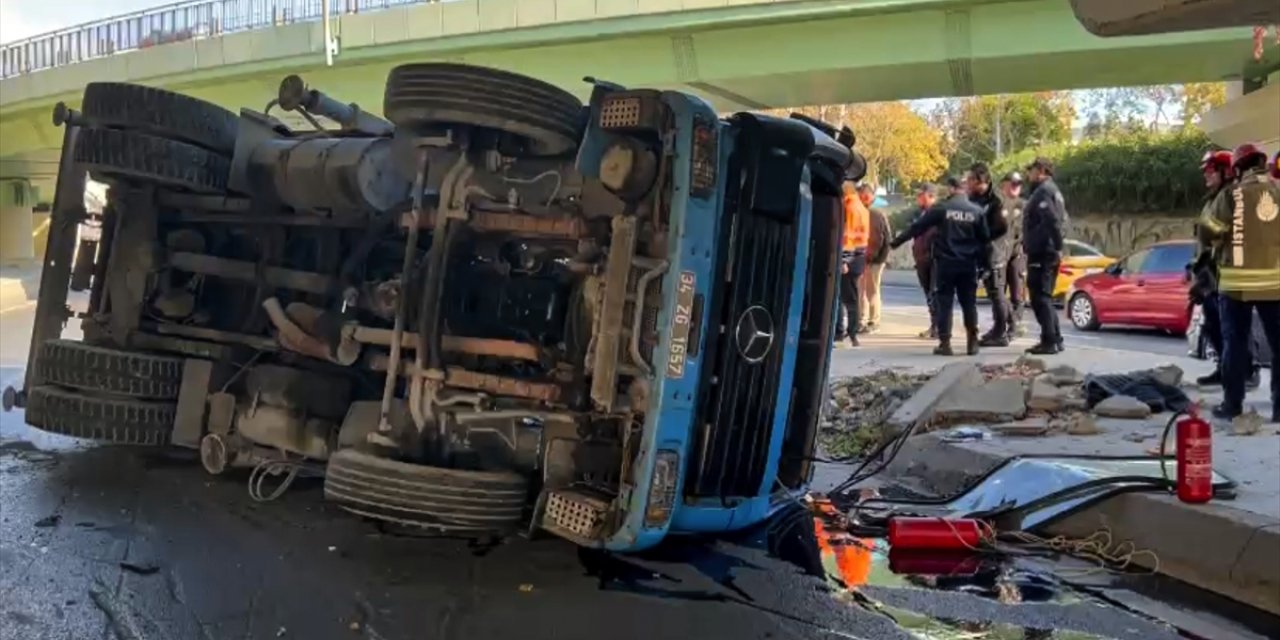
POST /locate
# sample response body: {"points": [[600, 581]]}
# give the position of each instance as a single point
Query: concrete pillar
{"points": [[1248, 118], [16, 223]]}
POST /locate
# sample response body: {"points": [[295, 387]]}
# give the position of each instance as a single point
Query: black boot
{"points": [[1212, 380], [993, 340], [1223, 412], [1255, 380], [1043, 349], [971, 343], [943, 349]]}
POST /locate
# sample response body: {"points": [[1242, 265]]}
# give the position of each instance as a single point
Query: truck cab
{"points": [[495, 310]]}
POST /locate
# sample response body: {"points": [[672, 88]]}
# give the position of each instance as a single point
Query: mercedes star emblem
{"points": [[754, 334]]}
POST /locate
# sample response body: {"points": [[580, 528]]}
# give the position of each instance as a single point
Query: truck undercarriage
{"points": [[458, 314]]}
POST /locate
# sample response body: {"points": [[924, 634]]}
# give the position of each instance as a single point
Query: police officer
{"points": [[1043, 220], [1245, 222], [922, 253], [959, 249], [1219, 175], [983, 194], [1016, 266]]}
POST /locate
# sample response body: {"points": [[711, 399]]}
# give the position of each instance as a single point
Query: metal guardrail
{"points": [[191, 20]]}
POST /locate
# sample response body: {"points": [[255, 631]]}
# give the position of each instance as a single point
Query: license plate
{"points": [[681, 321]]}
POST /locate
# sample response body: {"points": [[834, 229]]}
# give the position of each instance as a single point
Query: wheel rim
{"points": [[1081, 312]]}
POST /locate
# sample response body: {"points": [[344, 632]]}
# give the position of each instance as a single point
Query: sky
{"points": [[24, 18]]}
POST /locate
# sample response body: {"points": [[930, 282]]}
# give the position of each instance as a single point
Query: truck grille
{"points": [[740, 379]]}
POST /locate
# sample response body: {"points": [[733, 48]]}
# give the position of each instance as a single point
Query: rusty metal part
{"points": [[465, 379], [406, 265], [655, 269], [608, 333], [453, 344], [201, 333], [248, 272], [294, 338], [528, 226]]}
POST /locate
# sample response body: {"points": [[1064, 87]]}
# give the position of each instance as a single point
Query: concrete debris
{"points": [[1046, 396], [1138, 436], [1246, 424], [918, 410], [1082, 424], [49, 521], [1019, 369], [860, 409], [999, 400], [1031, 363], [1123, 407], [1169, 374], [1030, 427], [1064, 376]]}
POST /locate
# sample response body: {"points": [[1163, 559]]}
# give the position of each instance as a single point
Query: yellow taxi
{"points": [[1079, 259]]}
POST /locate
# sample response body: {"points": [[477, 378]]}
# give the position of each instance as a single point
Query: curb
{"points": [[1215, 547], [920, 407]]}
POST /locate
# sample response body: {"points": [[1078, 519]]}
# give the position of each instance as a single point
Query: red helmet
{"points": [[1218, 160], [1246, 152]]}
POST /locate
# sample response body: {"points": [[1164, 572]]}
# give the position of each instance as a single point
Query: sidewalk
{"points": [[1229, 547], [18, 286]]}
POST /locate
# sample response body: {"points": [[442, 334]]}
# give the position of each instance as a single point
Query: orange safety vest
{"points": [[857, 223]]}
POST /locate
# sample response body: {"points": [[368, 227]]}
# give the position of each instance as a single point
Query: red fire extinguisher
{"points": [[1195, 458]]}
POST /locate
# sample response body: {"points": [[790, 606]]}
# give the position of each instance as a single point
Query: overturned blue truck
{"points": [[497, 309]]}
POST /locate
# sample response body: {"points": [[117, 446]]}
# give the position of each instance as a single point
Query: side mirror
{"points": [[1114, 269]]}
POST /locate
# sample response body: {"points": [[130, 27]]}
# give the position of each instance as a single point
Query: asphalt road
{"points": [[905, 305], [106, 543]]}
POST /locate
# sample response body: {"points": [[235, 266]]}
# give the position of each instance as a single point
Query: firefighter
{"points": [[1245, 225], [959, 249], [877, 256], [853, 259], [1218, 176], [1016, 267], [922, 255], [1043, 220], [983, 194]]}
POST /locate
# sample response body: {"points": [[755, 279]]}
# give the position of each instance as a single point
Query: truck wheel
{"points": [[433, 498], [546, 119], [124, 373], [122, 421], [119, 105], [129, 155]]}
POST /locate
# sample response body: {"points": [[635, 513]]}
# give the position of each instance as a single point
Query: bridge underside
{"points": [[1016, 46]]}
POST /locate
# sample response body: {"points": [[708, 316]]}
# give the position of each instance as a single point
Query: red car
{"points": [[1147, 288]]}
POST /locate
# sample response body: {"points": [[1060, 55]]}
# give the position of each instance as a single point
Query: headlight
{"points": [[662, 488]]}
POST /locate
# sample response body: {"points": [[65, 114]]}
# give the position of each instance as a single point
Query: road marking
{"points": [[18, 307]]}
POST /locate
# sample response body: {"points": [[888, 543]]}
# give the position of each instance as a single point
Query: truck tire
{"points": [[134, 107], [546, 120], [432, 498], [118, 420], [97, 369], [129, 155]]}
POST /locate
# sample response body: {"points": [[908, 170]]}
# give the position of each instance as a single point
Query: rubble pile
{"points": [[860, 407]]}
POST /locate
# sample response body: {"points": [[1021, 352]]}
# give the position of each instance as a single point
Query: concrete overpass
{"points": [[736, 53]]}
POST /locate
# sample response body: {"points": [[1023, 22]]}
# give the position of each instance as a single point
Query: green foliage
{"points": [[1130, 172], [1018, 121]]}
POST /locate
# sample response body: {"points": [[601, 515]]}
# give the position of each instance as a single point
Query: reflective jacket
{"points": [[857, 223], [1245, 225]]}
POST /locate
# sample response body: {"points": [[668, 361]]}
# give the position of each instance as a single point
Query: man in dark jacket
{"points": [[982, 194], [1044, 220], [1016, 267], [959, 248], [877, 256], [922, 255]]}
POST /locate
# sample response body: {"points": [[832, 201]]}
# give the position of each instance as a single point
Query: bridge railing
{"points": [[189, 20]]}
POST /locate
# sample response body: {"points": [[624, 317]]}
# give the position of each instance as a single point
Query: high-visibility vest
{"points": [[857, 223], [1250, 261]]}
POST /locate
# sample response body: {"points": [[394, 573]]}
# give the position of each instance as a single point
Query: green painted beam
{"points": [[736, 53]]}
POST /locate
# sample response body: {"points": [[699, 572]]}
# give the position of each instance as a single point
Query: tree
{"points": [[901, 148], [983, 128], [1199, 98]]}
